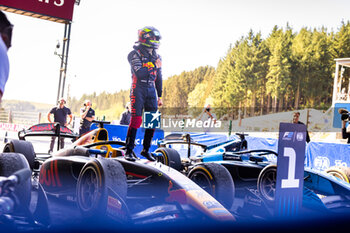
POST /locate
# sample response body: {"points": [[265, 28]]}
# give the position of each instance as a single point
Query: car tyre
{"points": [[23, 147], [11, 163], [216, 180], [267, 183], [340, 172], [170, 157], [93, 194]]}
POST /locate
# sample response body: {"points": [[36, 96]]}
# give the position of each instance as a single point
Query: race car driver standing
{"points": [[146, 88]]}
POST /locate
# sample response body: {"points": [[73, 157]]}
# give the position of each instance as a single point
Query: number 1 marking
{"points": [[290, 182]]}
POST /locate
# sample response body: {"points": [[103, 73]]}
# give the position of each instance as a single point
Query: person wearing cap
{"points": [[146, 87], [126, 115], [60, 113], [87, 115], [5, 44]]}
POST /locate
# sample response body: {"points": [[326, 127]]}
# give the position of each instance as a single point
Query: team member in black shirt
{"points": [[87, 115], [296, 116], [60, 114]]}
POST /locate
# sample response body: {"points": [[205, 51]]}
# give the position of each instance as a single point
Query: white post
{"points": [[335, 85]]}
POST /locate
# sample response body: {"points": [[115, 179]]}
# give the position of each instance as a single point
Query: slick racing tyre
{"points": [[101, 191], [22, 147], [340, 172], [9, 164], [216, 180], [267, 184], [170, 157]]}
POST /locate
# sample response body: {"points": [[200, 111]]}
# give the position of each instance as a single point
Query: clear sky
{"points": [[194, 33]]}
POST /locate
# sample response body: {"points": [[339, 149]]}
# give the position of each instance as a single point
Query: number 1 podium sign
{"points": [[290, 169]]}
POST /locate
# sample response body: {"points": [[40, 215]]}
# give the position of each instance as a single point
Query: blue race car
{"points": [[244, 181]]}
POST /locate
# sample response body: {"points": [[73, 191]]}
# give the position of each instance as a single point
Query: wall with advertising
{"points": [[118, 133], [319, 155]]}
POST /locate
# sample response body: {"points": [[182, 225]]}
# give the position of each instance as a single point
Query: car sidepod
{"points": [[184, 191], [59, 175]]}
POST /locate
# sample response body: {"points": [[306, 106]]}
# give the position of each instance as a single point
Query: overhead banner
{"points": [[54, 10]]}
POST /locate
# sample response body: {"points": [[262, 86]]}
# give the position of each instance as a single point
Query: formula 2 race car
{"points": [[108, 187], [252, 174], [20, 208]]}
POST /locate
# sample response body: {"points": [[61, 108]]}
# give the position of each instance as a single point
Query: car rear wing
{"points": [[47, 129], [252, 155]]}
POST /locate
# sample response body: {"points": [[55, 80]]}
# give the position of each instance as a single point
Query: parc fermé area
{"points": [[240, 174]]}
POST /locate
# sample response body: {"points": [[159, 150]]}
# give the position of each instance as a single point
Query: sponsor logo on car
{"points": [[49, 175], [211, 204]]}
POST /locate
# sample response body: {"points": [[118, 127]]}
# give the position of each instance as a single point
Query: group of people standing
{"points": [[61, 113]]}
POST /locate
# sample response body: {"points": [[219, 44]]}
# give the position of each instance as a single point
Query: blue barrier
{"points": [[319, 155], [118, 133], [322, 155]]}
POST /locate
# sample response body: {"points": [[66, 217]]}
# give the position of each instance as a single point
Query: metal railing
{"points": [[20, 117]]}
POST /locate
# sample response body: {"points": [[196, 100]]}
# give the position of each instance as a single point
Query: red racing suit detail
{"points": [[136, 122]]}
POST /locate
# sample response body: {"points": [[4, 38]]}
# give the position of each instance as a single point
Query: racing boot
{"points": [[147, 144], [147, 155], [130, 144], [129, 155]]}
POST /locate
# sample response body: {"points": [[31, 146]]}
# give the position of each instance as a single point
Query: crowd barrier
{"points": [[118, 133], [318, 155]]}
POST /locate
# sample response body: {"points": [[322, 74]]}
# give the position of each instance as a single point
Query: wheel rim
{"points": [[202, 179], [268, 185], [162, 159], [338, 175], [89, 189]]}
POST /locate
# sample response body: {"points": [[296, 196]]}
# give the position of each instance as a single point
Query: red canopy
{"points": [[60, 11]]}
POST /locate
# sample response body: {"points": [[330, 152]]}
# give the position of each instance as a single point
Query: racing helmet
{"points": [[149, 37]]}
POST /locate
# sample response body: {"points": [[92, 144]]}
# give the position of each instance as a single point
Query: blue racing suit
{"points": [[145, 90]]}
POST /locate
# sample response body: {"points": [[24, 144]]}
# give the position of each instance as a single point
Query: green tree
{"points": [[279, 76]]}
